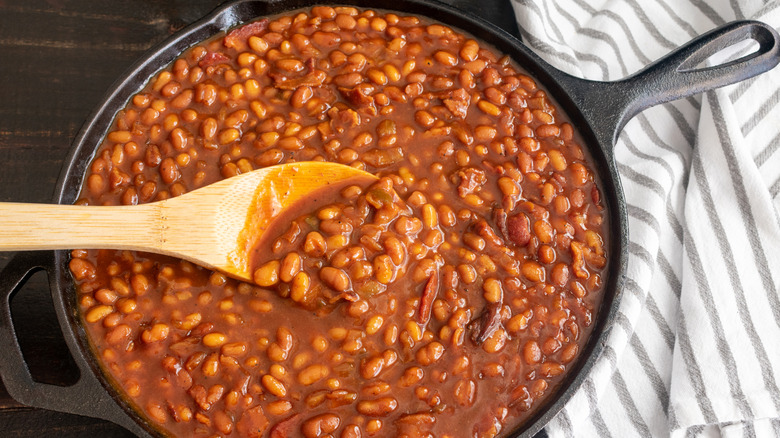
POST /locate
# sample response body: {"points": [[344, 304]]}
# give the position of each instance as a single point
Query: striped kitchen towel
{"points": [[696, 348]]}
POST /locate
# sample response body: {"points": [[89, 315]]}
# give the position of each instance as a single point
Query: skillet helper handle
{"points": [[608, 106], [86, 397], [682, 73]]}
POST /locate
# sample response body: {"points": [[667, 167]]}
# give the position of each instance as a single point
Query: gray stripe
{"points": [[644, 216], [622, 320], [650, 133], [671, 277], [638, 251], [629, 405], [635, 290], [595, 412], [741, 88], [652, 185], [559, 37], [762, 112], [565, 422], [676, 18], [655, 313], [775, 421], [650, 27], [538, 43], [711, 310], [708, 12], [694, 372], [769, 6], [693, 431], [552, 22], [747, 213], [687, 130], [737, 10], [774, 144], [660, 321], [609, 353], [673, 422], [591, 33], [774, 190], [750, 431], [648, 129], [643, 180], [644, 359], [588, 8], [695, 101]]}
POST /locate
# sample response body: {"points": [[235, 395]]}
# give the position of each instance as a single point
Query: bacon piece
{"points": [[213, 58], [252, 423], [499, 217], [470, 180], [236, 37], [484, 230], [429, 293], [313, 79], [200, 396], [578, 259], [486, 324], [285, 428], [458, 103], [341, 118], [356, 97]]}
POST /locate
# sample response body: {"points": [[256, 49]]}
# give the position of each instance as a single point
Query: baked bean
{"points": [[569, 352], [489, 108], [377, 408], [301, 96], [289, 268], [371, 367], [532, 353], [445, 58], [299, 289], [214, 339], [268, 274], [320, 425], [430, 353], [315, 245], [274, 386], [312, 374]]}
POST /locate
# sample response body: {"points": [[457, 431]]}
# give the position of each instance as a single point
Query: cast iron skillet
{"points": [[599, 110]]}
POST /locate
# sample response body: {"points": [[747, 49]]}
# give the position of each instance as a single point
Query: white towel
{"points": [[696, 348]]}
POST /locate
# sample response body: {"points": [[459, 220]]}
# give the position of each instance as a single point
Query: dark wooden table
{"points": [[57, 59]]}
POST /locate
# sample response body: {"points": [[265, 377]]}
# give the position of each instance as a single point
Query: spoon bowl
{"points": [[214, 226]]}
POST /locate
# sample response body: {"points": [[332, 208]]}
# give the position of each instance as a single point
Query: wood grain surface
{"points": [[57, 59]]}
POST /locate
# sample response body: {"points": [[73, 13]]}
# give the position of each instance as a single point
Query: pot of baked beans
{"points": [[467, 293]]}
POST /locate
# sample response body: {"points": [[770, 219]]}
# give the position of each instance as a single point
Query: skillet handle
{"points": [[86, 397], [610, 105]]}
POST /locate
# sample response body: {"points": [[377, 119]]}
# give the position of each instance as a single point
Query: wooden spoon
{"points": [[214, 226]]}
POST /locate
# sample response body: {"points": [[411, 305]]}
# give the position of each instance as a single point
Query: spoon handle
{"points": [[27, 227]]}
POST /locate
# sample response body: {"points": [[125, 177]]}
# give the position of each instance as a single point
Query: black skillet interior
{"points": [[599, 110]]}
